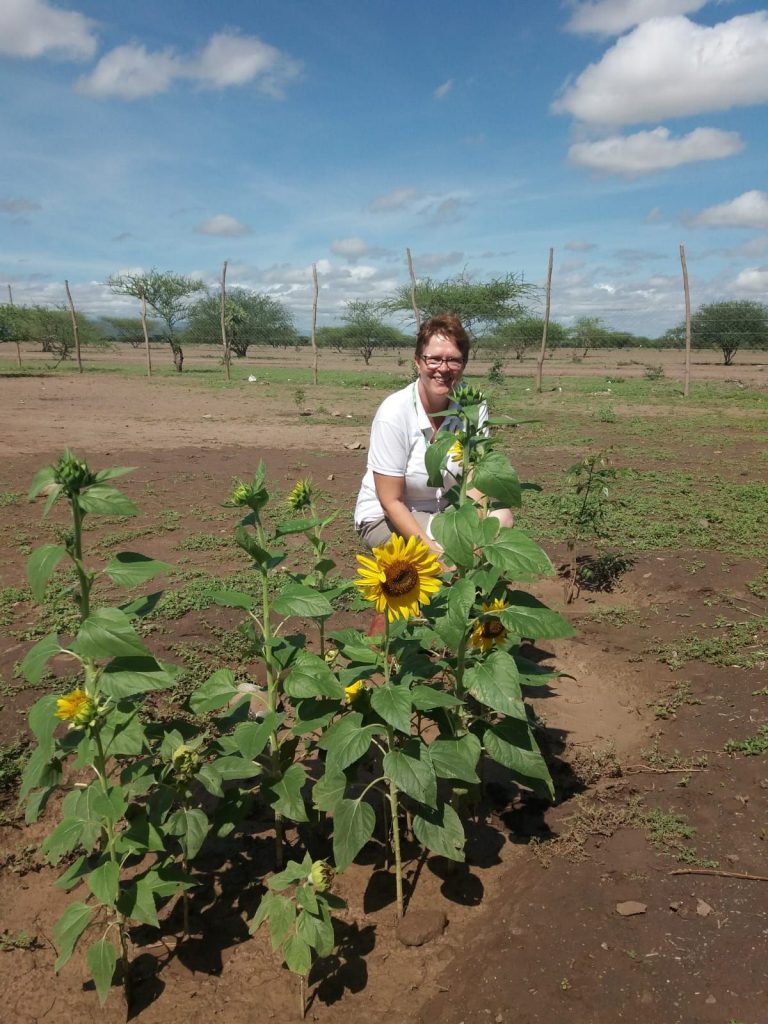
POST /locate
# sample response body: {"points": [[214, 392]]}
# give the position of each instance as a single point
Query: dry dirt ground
{"points": [[533, 934]]}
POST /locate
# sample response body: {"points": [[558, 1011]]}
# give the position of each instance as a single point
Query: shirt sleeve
{"points": [[389, 448]]}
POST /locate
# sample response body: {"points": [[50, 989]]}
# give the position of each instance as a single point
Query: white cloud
{"points": [[33, 28], [749, 210], [429, 262], [397, 199], [750, 281], [653, 215], [14, 205], [223, 224], [353, 249], [612, 17], [231, 59], [646, 152], [132, 72], [670, 67], [446, 211], [579, 246], [442, 90]]}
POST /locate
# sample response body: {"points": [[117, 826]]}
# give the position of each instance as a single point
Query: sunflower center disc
{"points": [[493, 628], [402, 578]]}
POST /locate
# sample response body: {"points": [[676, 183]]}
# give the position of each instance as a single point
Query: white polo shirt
{"points": [[400, 433]]}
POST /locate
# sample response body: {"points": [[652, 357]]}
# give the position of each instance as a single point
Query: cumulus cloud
{"points": [[442, 90], [612, 17], [445, 211], [228, 59], [15, 205], [33, 28], [671, 67], [223, 224], [397, 199], [656, 150], [579, 246], [749, 210], [429, 262], [354, 249], [750, 281]]}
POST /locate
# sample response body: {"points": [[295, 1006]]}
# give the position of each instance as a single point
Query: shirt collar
{"points": [[422, 416]]}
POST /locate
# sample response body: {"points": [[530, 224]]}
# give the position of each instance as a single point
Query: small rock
{"points": [[631, 907], [330, 476], [421, 926], [710, 1000], [675, 905], [355, 446], [703, 909]]}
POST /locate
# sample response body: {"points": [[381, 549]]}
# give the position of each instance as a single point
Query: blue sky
{"points": [[179, 134]]}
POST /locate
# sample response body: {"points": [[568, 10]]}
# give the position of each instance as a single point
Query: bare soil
{"points": [[533, 930]]}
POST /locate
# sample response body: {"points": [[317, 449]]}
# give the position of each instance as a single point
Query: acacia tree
{"points": [[587, 332], [520, 335], [129, 329], [366, 331], [250, 318], [169, 296], [482, 306], [728, 326]]}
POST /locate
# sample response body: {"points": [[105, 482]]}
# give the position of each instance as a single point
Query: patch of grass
{"points": [[592, 817], [750, 747], [118, 538], [9, 598], [195, 594], [668, 832], [21, 940], [13, 757], [735, 644], [204, 542], [8, 498], [655, 758], [169, 520], [759, 586], [605, 414], [617, 617], [668, 705]]}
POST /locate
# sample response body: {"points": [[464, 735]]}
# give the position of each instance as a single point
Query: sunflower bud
{"points": [[185, 761], [321, 875], [72, 474], [253, 495], [301, 495], [330, 655]]}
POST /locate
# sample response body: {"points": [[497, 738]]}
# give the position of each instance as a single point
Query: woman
{"points": [[395, 496]]}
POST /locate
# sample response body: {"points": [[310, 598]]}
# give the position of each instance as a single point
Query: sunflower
{"points": [[353, 691], [456, 452], [490, 631], [400, 576], [75, 707]]}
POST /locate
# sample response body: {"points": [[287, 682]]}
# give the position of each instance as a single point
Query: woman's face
{"points": [[437, 382]]}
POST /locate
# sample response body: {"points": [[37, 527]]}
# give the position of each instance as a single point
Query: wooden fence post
{"points": [[75, 330], [687, 377], [540, 363], [224, 340], [314, 323]]}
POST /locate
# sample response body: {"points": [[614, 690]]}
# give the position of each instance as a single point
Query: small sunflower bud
{"points": [[72, 474], [321, 875], [185, 761], [301, 495]]}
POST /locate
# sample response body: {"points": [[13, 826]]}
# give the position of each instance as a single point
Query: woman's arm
{"points": [[390, 491]]}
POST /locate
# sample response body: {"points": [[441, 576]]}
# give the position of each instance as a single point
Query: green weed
{"points": [[8, 498], [668, 705], [750, 747], [736, 644]]}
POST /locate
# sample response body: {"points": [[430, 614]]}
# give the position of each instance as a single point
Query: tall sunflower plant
{"points": [[131, 819], [271, 735], [443, 688]]}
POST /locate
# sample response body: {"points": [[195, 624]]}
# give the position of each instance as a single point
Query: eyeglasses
{"points": [[432, 362]]}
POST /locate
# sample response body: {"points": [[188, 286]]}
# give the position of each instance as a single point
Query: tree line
{"points": [[496, 313]]}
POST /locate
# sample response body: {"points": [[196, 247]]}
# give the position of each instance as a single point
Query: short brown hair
{"points": [[447, 324]]}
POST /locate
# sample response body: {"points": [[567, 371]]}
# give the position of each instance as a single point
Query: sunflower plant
{"points": [[131, 820], [289, 669]]}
